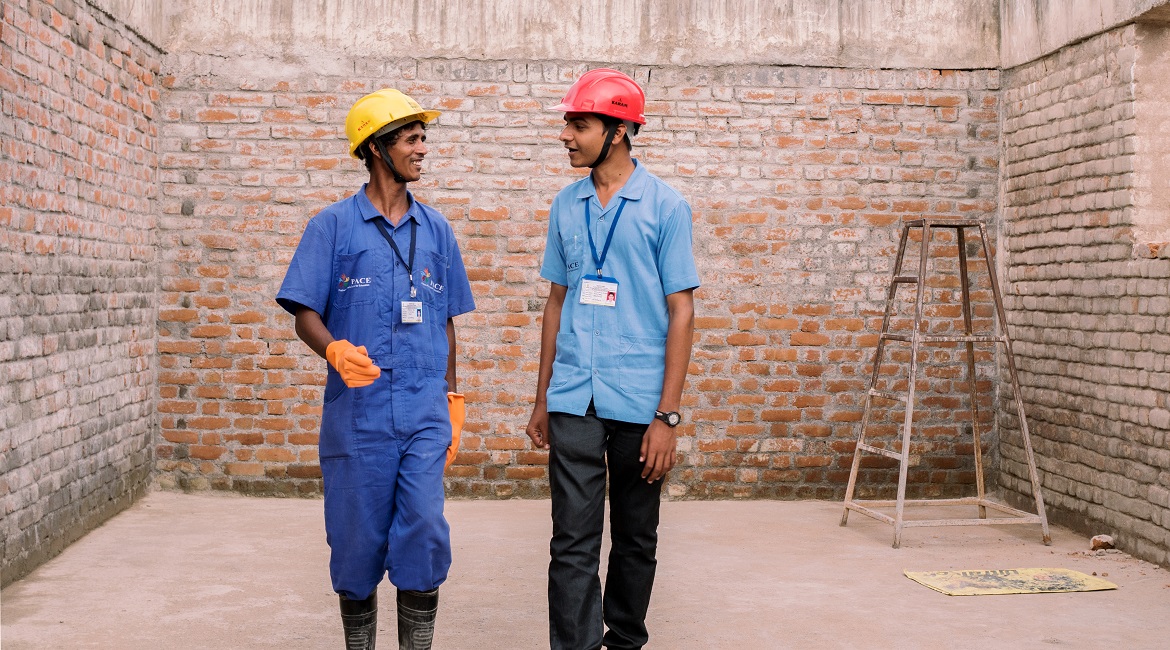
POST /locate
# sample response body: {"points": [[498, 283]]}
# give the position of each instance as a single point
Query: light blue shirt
{"points": [[616, 356]]}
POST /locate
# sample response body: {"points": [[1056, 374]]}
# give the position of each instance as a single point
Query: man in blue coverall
{"points": [[615, 345], [374, 284]]}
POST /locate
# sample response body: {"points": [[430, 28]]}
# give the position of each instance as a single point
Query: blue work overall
{"points": [[383, 446]]}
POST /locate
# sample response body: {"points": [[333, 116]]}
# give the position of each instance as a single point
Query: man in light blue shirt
{"points": [[615, 345]]}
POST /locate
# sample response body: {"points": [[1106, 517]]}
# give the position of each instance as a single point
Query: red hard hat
{"points": [[607, 92]]}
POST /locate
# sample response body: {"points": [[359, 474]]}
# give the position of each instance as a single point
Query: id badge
{"points": [[599, 291], [411, 311]]}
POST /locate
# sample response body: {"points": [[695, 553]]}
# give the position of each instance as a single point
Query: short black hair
{"points": [[388, 141]]}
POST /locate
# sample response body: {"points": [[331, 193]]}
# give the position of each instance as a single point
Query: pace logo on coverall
{"points": [[346, 283], [428, 281]]}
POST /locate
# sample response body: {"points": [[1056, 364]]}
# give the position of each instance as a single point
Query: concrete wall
{"points": [[150, 20], [956, 34], [1031, 29], [77, 274], [1151, 183], [1089, 305]]}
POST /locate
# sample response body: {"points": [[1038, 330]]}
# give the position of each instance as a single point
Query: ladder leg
{"points": [[908, 422], [854, 468], [1033, 474], [873, 378], [965, 282]]}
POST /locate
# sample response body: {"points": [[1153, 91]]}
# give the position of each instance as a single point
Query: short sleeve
{"points": [[676, 259], [310, 273], [553, 267], [460, 300]]}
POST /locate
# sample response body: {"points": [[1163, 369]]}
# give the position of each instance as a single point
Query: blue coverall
{"points": [[383, 446]]}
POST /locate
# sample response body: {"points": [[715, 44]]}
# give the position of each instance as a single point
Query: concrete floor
{"points": [[223, 571]]}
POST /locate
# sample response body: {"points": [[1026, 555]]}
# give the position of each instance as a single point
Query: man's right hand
{"points": [[538, 426], [354, 365]]}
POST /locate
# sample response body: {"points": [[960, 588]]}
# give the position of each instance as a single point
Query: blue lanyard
{"points": [[608, 238], [408, 264]]}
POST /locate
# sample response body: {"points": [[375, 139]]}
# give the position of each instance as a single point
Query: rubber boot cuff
{"points": [[359, 618], [416, 618]]}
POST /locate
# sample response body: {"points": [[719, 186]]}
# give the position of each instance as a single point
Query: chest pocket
{"points": [[355, 279]]}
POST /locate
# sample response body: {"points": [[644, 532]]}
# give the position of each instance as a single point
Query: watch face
{"points": [[673, 419]]}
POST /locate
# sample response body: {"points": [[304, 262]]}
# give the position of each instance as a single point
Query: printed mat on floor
{"points": [[1008, 581]]}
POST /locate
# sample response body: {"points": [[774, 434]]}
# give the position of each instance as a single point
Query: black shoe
{"points": [[416, 618], [360, 620]]}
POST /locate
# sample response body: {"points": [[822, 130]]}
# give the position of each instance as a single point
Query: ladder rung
{"points": [[887, 395], [879, 450], [905, 279], [941, 222], [945, 339], [978, 338], [895, 337]]}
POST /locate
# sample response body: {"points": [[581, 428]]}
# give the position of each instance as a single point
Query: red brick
{"points": [[205, 453], [304, 471], [243, 469], [806, 338]]}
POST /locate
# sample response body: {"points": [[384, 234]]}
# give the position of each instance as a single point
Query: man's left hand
{"points": [[658, 448]]}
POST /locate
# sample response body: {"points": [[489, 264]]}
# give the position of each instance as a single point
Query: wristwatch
{"points": [[671, 418]]}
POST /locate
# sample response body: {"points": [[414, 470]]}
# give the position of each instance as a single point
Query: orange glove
{"points": [[353, 364], [457, 408]]}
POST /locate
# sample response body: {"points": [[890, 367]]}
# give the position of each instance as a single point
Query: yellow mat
{"points": [[1008, 581]]}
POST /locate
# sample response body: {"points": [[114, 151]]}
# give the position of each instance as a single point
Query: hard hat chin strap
{"points": [[610, 132], [389, 164]]}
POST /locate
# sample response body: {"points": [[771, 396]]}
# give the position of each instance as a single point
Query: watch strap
{"points": [[667, 416]]}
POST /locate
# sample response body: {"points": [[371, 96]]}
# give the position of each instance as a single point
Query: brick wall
{"points": [[1090, 314], [77, 277], [799, 178]]}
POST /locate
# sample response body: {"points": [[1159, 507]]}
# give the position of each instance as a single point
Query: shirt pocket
{"points": [[355, 279], [642, 364]]}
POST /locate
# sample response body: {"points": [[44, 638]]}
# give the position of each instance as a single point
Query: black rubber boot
{"points": [[416, 618], [360, 620]]}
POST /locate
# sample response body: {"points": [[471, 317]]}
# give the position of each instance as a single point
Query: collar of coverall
{"points": [[368, 211]]}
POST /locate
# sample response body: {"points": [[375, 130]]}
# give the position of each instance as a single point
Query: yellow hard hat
{"points": [[382, 110]]}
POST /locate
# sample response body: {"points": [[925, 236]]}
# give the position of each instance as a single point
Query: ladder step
{"points": [[977, 338], [879, 450], [887, 395], [895, 337], [941, 222], [905, 279]]}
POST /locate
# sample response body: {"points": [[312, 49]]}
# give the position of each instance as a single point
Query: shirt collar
{"points": [[632, 190], [368, 211]]}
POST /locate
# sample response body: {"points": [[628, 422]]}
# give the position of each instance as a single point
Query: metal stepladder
{"points": [[916, 338]]}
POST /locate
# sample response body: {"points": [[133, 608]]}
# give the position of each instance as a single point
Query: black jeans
{"points": [[582, 446]]}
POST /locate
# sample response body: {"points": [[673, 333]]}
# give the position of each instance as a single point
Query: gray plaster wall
{"points": [[1151, 201], [952, 34], [1030, 29]]}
